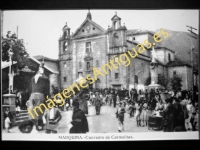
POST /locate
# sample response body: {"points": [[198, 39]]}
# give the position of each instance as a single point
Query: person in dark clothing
{"points": [[152, 104], [168, 117], [135, 96], [114, 97], [178, 114], [97, 103], [17, 104], [83, 100], [146, 95], [79, 120], [152, 94], [131, 94]]}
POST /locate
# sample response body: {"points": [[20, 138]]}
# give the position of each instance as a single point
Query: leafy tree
{"points": [[148, 81], [175, 83], [16, 46], [163, 81]]}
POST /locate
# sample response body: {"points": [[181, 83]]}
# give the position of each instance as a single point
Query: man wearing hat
{"points": [[39, 89]]}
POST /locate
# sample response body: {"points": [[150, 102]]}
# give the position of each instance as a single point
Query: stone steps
{"points": [[23, 115]]}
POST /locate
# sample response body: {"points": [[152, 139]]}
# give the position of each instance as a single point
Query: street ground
{"points": [[106, 122]]}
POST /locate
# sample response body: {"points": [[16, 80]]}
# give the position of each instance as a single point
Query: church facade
{"points": [[93, 46]]}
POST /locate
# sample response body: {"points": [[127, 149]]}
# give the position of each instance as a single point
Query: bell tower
{"points": [[66, 31], [64, 41], [117, 35], [117, 45]]}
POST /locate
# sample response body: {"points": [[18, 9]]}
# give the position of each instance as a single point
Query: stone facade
{"points": [[91, 46]]}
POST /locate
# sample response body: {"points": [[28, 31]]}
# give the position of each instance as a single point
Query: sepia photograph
{"points": [[99, 74]]}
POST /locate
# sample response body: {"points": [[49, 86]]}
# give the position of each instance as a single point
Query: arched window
{"points": [[65, 65], [116, 25], [66, 46]]}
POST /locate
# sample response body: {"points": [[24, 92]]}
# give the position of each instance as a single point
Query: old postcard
{"points": [[100, 75]]}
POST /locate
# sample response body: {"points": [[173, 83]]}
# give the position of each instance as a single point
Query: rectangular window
{"points": [[88, 66], [136, 79], [169, 57], [116, 75], [65, 79], [88, 47]]}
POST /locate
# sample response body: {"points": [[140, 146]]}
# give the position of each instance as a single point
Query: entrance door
{"points": [[117, 86], [97, 84]]}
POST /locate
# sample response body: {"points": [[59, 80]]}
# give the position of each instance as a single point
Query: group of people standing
{"points": [[177, 110]]}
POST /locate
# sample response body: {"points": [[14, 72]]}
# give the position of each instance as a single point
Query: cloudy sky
{"points": [[42, 29]]}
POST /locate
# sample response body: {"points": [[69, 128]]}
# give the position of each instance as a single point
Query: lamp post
{"points": [[10, 74]]}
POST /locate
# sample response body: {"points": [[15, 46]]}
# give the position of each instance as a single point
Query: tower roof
{"points": [[115, 17], [65, 27]]}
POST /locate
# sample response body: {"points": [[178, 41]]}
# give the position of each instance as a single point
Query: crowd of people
{"points": [[176, 111]]}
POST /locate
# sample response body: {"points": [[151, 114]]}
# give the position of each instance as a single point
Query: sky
{"points": [[41, 29]]}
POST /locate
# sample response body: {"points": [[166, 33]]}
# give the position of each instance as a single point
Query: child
{"points": [[138, 112], [194, 118], [7, 123], [120, 115], [17, 104], [129, 109], [133, 111]]}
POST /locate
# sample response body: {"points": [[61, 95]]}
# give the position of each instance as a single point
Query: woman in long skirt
{"points": [[138, 112], [144, 118]]}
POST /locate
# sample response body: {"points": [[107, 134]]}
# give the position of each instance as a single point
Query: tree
{"points": [[175, 83], [163, 81], [16, 46], [148, 81]]}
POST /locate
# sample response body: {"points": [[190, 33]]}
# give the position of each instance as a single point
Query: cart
{"points": [[155, 122]]}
